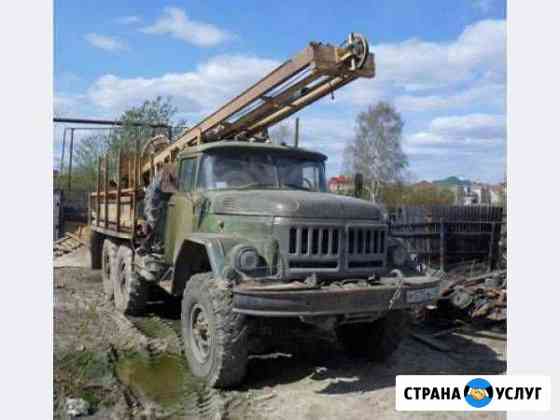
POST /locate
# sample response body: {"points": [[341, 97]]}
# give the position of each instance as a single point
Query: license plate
{"points": [[422, 295]]}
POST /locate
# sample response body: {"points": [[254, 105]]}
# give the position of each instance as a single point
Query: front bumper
{"points": [[287, 300]]}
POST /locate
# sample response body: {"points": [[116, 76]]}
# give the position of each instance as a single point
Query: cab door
{"points": [[180, 210]]}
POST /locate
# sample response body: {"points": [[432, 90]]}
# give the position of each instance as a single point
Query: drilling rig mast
{"points": [[315, 72]]}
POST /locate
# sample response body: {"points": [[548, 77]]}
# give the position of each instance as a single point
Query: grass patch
{"points": [[84, 374]]}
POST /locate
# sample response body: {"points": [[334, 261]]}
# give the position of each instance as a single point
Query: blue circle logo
{"points": [[478, 392]]}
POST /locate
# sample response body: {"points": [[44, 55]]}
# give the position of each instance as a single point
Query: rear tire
{"points": [[95, 249], [131, 292], [108, 267], [375, 340], [215, 338]]}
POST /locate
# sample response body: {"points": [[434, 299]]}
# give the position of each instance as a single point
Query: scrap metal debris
{"points": [[481, 297]]}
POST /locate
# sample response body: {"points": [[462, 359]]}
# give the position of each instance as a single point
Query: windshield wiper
{"points": [[254, 185], [296, 187]]}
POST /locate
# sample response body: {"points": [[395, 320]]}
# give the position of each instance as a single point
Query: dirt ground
{"points": [[132, 368]]}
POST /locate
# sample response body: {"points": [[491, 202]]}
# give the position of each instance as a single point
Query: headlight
{"points": [[246, 258], [399, 255]]}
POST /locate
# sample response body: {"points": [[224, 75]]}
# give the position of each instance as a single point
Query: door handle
{"points": [[170, 204]]}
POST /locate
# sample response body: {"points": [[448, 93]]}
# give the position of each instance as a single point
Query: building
{"points": [[423, 184], [477, 194], [341, 184], [498, 194]]}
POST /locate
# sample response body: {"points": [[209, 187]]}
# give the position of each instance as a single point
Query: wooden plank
{"points": [[279, 101], [119, 177], [130, 174], [134, 180], [76, 238], [106, 187], [304, 101], [64, 245], [108, 231], [125, 217], [89, 210], [97, 202], [60, 240], [124, 191], [137, 171]]}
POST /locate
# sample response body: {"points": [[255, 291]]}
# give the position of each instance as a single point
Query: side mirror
{"points": [[358, 184]]}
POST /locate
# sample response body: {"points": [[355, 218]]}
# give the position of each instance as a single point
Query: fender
{"points": [[188, 259]]}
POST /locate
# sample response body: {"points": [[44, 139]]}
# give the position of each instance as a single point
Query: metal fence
{"points": [[446, 235]]}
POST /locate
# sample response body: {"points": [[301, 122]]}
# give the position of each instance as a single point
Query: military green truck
{"points": [[243, 229]]}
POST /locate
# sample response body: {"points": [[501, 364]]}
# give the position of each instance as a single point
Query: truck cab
{"points": [[263, 213]]}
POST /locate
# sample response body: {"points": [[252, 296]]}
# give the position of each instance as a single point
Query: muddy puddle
{"points": [[161, 379], [164, 380]]}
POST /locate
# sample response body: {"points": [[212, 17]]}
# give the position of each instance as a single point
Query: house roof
{"points": [[340, 179]]}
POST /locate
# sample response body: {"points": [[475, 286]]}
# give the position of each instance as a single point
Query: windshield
{"points": [[246, 170]]}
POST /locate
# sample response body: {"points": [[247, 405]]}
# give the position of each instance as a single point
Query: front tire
{"points": [[215, 338], [131, 292], [375, 340]]}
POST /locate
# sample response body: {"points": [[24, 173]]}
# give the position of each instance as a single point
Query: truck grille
{"points": [[336, 249], [314, 241], [365, 247], [362, 241]]}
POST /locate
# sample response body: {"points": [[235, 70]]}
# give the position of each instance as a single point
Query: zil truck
{"points": [[240, 229]]}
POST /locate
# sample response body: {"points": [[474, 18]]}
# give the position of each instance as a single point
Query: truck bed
{"points": [[115, 212]]}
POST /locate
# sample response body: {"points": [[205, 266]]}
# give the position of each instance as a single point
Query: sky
{"points": [[441, 63]]}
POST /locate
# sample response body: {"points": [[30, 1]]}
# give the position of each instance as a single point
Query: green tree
{"points": [[430, 195], [88, 149], [399, 194], [156, 111], [393, 195]]}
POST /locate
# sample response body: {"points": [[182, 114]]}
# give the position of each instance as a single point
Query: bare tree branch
{"points": [[375, 151]]}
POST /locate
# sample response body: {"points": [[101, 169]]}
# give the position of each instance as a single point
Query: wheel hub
{"points": [[200, 337]]}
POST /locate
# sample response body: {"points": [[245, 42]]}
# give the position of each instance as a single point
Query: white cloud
{"points": [[62, 103], [364, 92], [416, 65], [106, 43], [65, 104], [484, 94], [198, 92], [472, 126], [415, 75], [128, 20], [176, 23], [472, 144], [420, 75], [462, 130]]}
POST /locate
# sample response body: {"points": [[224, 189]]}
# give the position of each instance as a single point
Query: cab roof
{"points": [[253, 146]]}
